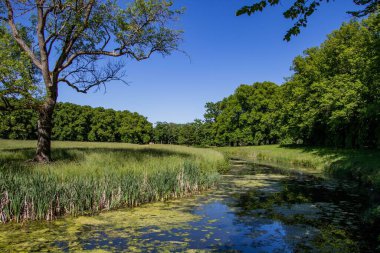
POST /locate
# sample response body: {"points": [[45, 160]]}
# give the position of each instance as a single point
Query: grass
{"points": [[360, 165], [90, 177]]}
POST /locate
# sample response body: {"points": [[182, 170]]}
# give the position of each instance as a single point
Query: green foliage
{"points": [[18, 125], [191, 134], [248, 117], [79, 123], [301, 10], [72, 122], [333, 98], [17, 74]]}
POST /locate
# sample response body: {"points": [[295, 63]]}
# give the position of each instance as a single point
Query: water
{"points": [[254, 209]]}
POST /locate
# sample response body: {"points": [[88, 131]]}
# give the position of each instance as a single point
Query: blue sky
{"points": [[225, 51]]}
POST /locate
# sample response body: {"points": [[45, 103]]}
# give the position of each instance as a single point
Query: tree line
{"points": [[332, 99], [79, 123]]}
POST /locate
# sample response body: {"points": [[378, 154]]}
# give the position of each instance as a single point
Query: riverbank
{"points": [[360, 165], [87, 178]]}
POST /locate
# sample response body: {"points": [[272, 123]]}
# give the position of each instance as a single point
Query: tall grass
{"points": [[91, 177]]}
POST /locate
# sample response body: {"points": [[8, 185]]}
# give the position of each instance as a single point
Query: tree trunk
{"points": [[44, 129]]}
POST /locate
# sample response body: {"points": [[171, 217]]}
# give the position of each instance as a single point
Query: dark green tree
{"points": [[249, 116], [334, 96], [72, 122]]}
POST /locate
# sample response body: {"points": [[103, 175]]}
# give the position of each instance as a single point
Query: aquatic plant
{"points": [[92, 177]]}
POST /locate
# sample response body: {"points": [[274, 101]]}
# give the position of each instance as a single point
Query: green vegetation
{"points": [[278, 155], [301, 10], [91, 177], [360, 165], [122, 225], [332, 99], [80, 123], [238, 207]]}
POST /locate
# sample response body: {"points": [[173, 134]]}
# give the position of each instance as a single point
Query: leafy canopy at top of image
{"points": [[301, 10]]}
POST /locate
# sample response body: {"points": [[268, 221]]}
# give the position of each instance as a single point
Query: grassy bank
{"points": [[91, 177], [360, 165]]}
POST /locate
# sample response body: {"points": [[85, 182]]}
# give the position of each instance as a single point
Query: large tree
{"points": [[301, 10], [69, 39]]}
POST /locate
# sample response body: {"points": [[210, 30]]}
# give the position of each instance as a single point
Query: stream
{"points": [[254, 209]]}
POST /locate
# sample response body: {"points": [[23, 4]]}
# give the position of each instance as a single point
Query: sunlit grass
{"points": [[91, 177], [277, 155], [360, 165]]}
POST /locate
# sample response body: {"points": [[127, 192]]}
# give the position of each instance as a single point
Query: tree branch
{"points": [[17, 36], [87, 76], [109, 53], [41, 43], [72, 38]]}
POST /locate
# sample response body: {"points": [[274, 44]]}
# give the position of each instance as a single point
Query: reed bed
{"points": [[87, 178]]}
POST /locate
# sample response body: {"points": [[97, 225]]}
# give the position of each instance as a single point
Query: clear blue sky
{"points": [[225, 51]]}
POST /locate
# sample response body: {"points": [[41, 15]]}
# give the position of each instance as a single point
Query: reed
{"points": [[88, 178]]}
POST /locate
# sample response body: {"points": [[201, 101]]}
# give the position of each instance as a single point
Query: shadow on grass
{"points": [[20, 156], [361, 165]]}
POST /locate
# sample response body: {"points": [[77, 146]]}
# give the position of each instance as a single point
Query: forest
{"points": [[80, 123], [332, 99]]}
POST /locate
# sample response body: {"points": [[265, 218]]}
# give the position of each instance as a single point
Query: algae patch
{"points": [[110, 230]]}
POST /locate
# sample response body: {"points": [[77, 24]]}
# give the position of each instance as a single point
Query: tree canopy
{"points": [[80, 123], [332, 99], [17, 74], [301, 10]]}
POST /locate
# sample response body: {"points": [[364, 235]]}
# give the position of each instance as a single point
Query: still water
{"points": [[254, 209]]}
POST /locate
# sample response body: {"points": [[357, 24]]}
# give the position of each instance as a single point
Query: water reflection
{"points": [[255, 209]]}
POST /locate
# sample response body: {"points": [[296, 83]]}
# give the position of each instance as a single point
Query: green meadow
{"points": [[87, 178]]}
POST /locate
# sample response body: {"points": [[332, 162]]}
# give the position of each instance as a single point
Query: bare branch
{"points": [[85, 77]]}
